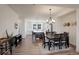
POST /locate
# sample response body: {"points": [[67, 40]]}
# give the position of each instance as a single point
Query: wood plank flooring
{"points": [[29, 48]]}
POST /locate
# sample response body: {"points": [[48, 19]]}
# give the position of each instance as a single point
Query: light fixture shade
{"points": [[53, 21], [50, 20], [47, 20]]}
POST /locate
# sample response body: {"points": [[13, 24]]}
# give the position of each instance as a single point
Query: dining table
{"points": [[51, 38]]}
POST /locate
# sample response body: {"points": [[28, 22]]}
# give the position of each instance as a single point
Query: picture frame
{"points": [[16, 26]]}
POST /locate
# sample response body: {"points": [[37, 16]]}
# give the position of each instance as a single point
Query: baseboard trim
{"points": [[73, 45], [75, 48]]}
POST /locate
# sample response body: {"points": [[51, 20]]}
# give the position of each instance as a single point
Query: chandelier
{"points": [[50, 20]]}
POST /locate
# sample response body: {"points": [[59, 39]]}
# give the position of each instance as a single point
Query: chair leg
{"points": [[54, 47], [65, 45], [44, 46], [10, 50], [60, 46], [49, 45]]}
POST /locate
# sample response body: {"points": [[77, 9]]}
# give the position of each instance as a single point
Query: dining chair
{"points": [[11, 44], [56, 41], [7, 34], [45, 41], [63, 41], [67, 38]]}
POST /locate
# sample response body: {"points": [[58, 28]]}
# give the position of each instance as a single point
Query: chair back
{"points": [[7, 34], [57, 37], [62, 37], [12, 41]]}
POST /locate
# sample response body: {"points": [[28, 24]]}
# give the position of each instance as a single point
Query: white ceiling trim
{"points": [[39, 11]]}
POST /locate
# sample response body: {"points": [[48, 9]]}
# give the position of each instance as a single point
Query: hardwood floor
{"points": [[29, 48]]}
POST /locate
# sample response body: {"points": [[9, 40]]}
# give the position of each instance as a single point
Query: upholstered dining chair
{"points": [[45, 41], [56, 41], [67, 38], [64, 39]]}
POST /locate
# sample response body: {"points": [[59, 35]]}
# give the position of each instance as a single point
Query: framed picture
{"points": [[34, 26], [16, 26], [67, 24], [39, 26]]}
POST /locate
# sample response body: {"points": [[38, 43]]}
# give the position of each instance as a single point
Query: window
{"points": [[36, 26]]}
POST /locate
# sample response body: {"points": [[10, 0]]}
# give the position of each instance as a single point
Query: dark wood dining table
{"points": [[50, 38]]}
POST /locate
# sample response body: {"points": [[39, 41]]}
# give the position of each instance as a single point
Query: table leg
{"points": [[49, 45]]}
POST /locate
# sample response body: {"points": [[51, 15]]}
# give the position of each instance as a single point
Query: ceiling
{"points": [[40, 11]]}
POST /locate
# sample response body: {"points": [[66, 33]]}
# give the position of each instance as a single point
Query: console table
{"points": [[37, 34]]}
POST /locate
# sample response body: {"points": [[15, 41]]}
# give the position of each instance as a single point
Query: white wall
{"points": [[70, 17], [22, 28], [77, 30], [7, 20], [29, 25]]}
